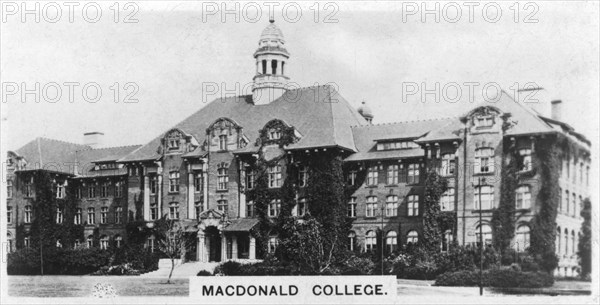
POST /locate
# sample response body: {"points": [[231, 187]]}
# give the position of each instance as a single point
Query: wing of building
{"points": [[201, 170]]}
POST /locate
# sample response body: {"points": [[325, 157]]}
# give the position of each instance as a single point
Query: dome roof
{"points": [[272, 32], [365, 111]]}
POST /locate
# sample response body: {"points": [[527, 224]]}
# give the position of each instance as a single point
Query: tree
{"points": [[585, 241], [435, 186], [44, 205], [173, 241]]}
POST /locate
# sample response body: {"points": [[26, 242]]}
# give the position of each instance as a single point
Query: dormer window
{"points": [[173, 144], [397, 145], [484, 121], [223, 142], [274, 134]]}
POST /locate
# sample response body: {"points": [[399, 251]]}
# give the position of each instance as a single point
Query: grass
{"points": [[83, 286]]}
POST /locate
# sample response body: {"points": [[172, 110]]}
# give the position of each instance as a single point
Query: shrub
{"points": [[262, 268], [204, 273], [358, 265], [229, 268], [503, 278]]}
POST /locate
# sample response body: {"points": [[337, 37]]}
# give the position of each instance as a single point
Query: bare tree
{"points": [[173, 243]]}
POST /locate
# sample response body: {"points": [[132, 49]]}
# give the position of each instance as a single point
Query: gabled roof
{"points": [[66, 157], [87, 158], [320, 114], [365, 136]]}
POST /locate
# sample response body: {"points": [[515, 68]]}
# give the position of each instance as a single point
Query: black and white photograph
{"points": [[299, 152]]}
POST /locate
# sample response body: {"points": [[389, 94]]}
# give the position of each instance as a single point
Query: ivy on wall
{"points": [[584, 248], [434, 221], [503, 220]]}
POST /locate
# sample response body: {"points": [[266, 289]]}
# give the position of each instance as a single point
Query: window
{"points": [[447, 240], [250, 178], [574, 203], [104, 215], [484, 121], [58, 243], [391, 241], [223, 142], [250, 209], [372, 175], [198, 182], [77, 217], [371, 241], [118, 214], [9, 188], [91, 216], [413, 205], [153, 211], [173, 210], [222, 179], [484, 160], [371, 206], [567, 200], [351, 240], [9, 214], [352, 207], [222, 205], [104, 190], [352, 178], [104, 242], [90, 241], [447, 200], [173, 143], [28, 214], [274, 208], [526, 164], [274, 176], [272, 244], [118, 189], [566, 241], [29, 188], [173, 182], [301, 207], [303, 176], [487, 197], [487, 234], [118, 241], [413, 173], [59, 215], [78, 192], [523, 197], [448, 166], [153, 185], [560, 199], [27, 241], [274, 134], [392, 174], [91, 191], [150, 243], [573, 242], [264, 66], [412, 237], [199, 208], [391, 206], [273, 66], [522, 238]]}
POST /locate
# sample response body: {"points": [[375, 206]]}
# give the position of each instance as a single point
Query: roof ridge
{"points": [[405, 122], [112, 147], [61, 141]]}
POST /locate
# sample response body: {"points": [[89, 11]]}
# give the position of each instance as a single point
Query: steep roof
{"points": [[320, 114], [366, 136], [87, 158], [64, 157]]}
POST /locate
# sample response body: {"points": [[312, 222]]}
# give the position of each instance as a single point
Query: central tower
{"points": [[271, 64]]}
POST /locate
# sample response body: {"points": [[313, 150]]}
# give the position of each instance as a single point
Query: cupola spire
{"points": [[271, 65]]}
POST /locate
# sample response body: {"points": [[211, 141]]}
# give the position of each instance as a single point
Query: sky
{"points": [[377, 52]]}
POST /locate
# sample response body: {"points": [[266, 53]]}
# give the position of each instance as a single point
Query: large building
{"points": [[201, 170]]}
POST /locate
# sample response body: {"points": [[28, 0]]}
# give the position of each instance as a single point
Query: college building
{"points": [[201, 170]]}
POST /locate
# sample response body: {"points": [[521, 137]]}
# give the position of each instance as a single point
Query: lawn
{"points": [[83, 286]]}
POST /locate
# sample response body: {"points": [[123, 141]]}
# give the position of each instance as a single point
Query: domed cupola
{"points": [[271, 65], [366, 112]]}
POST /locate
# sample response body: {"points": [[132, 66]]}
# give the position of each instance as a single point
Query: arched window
{"points": [[272, 244], [370, 241], [566, 237], [90, 241], [487, 234], [391, 241], [522, 238], [487, 197], [273, 67], [412, 237], [558, 240], [27, 241], [118, 241], [351, 240], [264, 66], [573, 242], [59, 215], [567, 208], [523, 197], [447, 200], [391, 206], [104, 242], [283, 68]]}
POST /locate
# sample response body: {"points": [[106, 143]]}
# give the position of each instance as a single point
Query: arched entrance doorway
{"points": [[213, 243]]}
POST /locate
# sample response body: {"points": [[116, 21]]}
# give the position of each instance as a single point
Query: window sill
{"points": [[173, 193], [371, 186], [370, 217], [484, 174], [222, 191], [483, 211], [391, 185]]}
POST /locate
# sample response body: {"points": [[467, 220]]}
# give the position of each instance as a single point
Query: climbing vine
{"points": [[503, 220], [435, 186]]}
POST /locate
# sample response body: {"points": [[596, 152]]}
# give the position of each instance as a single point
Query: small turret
{"points": [[366, 112]]}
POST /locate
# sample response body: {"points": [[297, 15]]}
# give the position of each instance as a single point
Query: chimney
{"points": [[93, 139], [556, 110]]}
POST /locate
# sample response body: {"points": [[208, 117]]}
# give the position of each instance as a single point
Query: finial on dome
{"points": [[272, 19], [366, 112]]}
